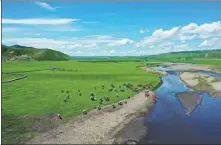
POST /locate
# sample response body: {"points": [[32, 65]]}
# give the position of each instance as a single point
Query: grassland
{"points": [[212, 57], [40, 93]]}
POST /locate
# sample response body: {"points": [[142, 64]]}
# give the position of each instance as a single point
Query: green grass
{"points": [[212, 57], [6, 77], [40, 93]]}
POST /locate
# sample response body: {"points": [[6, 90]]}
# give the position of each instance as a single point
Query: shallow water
{"points": [[168, 122]]}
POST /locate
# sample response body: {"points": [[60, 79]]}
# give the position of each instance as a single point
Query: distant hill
{"points": [[23, 53], [187, 55]]}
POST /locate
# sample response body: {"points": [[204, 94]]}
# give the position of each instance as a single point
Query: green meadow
{"points": [[41, 92]]}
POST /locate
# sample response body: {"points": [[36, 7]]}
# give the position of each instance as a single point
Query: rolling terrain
{"points": [[198, 57], [23, 53]]}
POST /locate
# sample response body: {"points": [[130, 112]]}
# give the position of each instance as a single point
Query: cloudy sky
{"points": [[113, 28]]}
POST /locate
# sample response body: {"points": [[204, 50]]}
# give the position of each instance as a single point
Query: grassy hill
{"points": [[186, 56], [23, 53]]}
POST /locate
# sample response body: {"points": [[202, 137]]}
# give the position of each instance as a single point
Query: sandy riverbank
{"points": [[163, 73], [188, 67], [98, 127], [202, 82]]}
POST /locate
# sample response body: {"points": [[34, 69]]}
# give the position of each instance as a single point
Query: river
{"points": [[168, 124]]}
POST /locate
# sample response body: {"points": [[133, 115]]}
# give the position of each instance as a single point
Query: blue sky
{"points": [[113, 28]]}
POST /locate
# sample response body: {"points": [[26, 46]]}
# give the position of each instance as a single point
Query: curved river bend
{"points": [[168, 124]]}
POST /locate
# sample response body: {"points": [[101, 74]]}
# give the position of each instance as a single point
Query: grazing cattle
{"points": [[84, 112], [113, 105], [120, 103], [107, 98], [65, 100], [146, 93], [59, 116], [93, 98]]}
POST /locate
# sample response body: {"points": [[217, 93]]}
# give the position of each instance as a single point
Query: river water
{"points": [[168, 123]]}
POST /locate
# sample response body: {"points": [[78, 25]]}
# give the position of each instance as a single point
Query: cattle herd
{"points": [[111, 88]]}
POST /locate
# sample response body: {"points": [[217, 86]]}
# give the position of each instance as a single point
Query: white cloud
{"points": [[213, 42], [190, 28], [46, 6], [42, 21], [79, 52], [181, 46], [101, 37], [141, 31], [121, 42], [203, 31], [166, 44], [183, 38], [112, 51], [158, 36], [93, 45], [160, 41], [161, 38]]}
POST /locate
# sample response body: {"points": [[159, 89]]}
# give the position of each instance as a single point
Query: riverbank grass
{"points": [[47, 92]]}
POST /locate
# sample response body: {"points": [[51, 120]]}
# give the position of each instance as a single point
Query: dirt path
{"points": [[97, 127]]}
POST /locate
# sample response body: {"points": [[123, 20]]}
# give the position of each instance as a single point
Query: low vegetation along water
{"points": [[39, 97], [168, 122]]}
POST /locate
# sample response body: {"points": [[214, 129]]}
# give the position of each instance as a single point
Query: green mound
{"points": [[23, 53]]}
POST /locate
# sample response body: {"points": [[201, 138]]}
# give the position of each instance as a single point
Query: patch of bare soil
{"points": [[189, 78], [183, 66], [154, 71], [98, 126]]}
